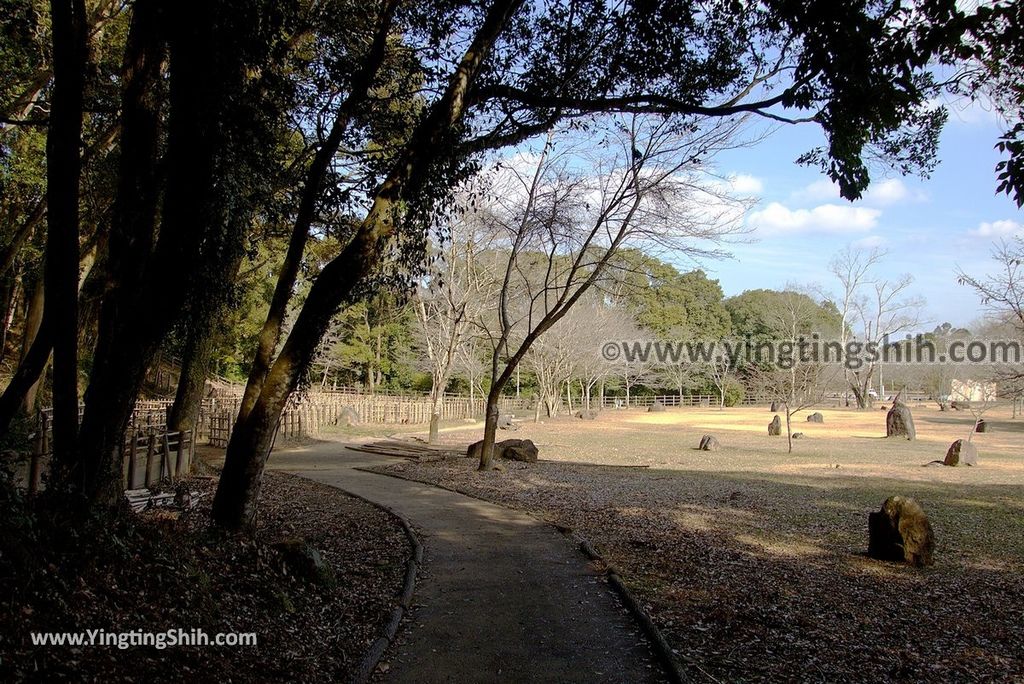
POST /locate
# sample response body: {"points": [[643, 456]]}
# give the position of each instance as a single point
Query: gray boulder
{"points": [[656, 407], [899, 422], [961, 452], [774, 408], [708, 443], [512, 449], [586, 415], [775, 427], [348, 417], [816, 417]]}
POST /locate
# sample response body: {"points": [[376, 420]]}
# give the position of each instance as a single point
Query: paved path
{"points": [[502, 597]]}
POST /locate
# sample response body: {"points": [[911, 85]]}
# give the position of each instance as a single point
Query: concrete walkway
{"points": [[502, 597]]}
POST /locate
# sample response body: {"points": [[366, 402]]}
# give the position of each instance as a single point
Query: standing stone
{"points": [[348, 417], [899, 422], [961, 452], [708, 443], [900, 531], [982, 426], [815, 418], [775, 427], [774, 408]]}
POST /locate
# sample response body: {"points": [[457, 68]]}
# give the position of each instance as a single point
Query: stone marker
{"points": [[961, 452], [899, 422], [900, 531], [708, 443], [775, 427]]}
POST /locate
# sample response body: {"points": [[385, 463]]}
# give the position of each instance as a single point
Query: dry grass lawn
{"points": [[751, 558]]}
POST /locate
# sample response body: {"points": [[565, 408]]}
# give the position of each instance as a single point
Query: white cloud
{"points": [[1004, 228], [889, 191], [880, 193], [745, 184], [825, 218]]}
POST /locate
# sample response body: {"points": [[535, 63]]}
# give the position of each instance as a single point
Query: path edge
{"points": [[673, 668], [380, 645]]}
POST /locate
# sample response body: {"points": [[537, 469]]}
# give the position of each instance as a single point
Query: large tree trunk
{"points": [[270, 334], [63, 171], [234, 506], [33, 319]]}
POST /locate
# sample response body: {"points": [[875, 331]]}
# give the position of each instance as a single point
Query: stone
{"points": [[656, 407], [348, 417], [960, 405], [900, 531], [774, 408], [586, 415], [708, 443], [775, 427], [815, 418], [517, 450], [961, 452], [797, 435], [981, 426], [899, 422], [512, 449], [505, 421], [305, 562]]}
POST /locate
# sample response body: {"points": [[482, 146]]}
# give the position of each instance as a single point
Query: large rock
{"points": [[900, 531], [775, 427], [656, 407], [348, 417], [505, 421], [815, 418], [708, 443], [961, 452], [899, 422], [586, 415], [512, 449], [305, 562]]}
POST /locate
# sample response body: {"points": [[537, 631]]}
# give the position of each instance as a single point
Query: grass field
{"points": [[751, 558]]}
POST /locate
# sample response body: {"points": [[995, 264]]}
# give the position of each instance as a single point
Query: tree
{"points": [[873, 310], [564, 228], [448, 302]]}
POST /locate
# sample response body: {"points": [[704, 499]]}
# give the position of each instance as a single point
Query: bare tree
{"points": [[447, 303], [562, 227], [872, 310]]}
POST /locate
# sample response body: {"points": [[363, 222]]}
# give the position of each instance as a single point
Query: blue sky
{"points": [[929, 227]]}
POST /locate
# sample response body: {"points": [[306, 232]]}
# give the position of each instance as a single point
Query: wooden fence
{"points": [[150, 452], [311, 413]]}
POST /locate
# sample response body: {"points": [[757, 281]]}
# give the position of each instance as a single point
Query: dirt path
{"points": [[502, 598]]}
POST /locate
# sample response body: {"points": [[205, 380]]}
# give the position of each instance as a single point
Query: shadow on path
{"points": [[502, 596]]}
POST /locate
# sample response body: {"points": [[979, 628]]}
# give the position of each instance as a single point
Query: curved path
{"points": [[502, 597]]}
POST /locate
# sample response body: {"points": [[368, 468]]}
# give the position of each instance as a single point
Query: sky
{"points": [[929, 227]]}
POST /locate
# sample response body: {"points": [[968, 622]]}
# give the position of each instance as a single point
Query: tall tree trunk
{"points": [[63, 171], [234, 506], [33, 319], [270, 334]]}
